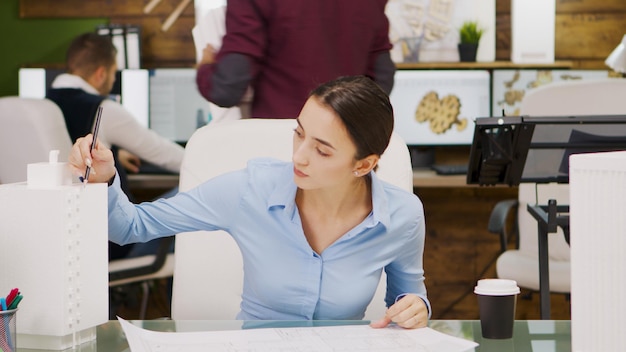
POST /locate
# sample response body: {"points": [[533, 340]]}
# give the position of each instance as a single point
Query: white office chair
{"points": [[208, 275], [585, 97], [29, 129]]}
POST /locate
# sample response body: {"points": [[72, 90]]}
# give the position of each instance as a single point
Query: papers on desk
{"points": [[327, 338]]}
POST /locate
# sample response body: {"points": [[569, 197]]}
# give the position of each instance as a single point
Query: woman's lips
{"points": [[299, 173]]}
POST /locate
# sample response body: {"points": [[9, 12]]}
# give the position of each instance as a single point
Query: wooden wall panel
{"points": [[96, 8], [503, 36], [590, 6], [586, 31], [588, 36], [503, 6], [174, 48], [574, 6]]}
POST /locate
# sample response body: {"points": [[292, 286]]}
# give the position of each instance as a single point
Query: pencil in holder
{"points": [[8, 331]]}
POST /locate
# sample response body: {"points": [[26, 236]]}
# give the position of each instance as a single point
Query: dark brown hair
{"points": [[364, 108], [89, 51]]}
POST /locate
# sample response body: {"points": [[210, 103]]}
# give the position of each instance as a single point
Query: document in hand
{"points": [[209, 30], [361, 338]]}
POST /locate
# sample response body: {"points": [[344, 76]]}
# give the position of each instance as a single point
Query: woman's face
{"points": [[323, 152]]}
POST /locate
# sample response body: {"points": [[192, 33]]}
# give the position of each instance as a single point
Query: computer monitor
{"points": [[176, 107], [35, 82], [435, 108], [131, 88], [510, 150]]}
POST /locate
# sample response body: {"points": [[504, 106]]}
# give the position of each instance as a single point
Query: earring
{"points": [[356, 173]]}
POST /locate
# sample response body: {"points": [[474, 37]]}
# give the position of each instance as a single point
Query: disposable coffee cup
{"points": [[496, 304]]}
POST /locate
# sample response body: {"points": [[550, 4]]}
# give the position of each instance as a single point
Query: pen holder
{"points": [[8, 329]]}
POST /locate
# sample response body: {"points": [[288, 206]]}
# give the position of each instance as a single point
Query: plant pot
{"points": [[467, 52]]}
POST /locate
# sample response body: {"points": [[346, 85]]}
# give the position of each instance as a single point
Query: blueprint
{"points": [[353, 338]]}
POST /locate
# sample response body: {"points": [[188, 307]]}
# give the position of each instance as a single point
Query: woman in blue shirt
{"points": [[314, 233]]}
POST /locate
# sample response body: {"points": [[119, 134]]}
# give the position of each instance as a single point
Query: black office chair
{"points": [[144, 270]]}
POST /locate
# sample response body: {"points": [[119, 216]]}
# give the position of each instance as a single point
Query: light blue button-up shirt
{"points": [[284, 278]]}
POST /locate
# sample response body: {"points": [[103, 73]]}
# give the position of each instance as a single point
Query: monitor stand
{"points": [[422, 157]]}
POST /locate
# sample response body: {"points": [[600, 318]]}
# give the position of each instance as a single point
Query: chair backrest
{"points": [[580, 97], [29, 129], [208, 276], [584, 97]]}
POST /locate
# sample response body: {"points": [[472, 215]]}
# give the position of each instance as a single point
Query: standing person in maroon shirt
{"points": [[285, 48]]}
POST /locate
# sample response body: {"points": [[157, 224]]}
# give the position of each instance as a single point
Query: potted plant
{"points": [[469, 36]]}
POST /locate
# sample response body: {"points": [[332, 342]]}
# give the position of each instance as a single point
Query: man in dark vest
{"points": [[89, 78]]}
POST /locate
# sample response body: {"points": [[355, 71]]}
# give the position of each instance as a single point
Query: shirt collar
{"points": [[285, 196], [380, 202], [66, 80]]}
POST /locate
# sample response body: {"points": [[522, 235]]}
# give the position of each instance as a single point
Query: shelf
{"points": [[482, 65]]}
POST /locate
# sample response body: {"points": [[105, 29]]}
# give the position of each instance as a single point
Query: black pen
{"points": [[96, 127]]}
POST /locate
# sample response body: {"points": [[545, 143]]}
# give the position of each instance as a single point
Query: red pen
{"points": [[11, 296]]}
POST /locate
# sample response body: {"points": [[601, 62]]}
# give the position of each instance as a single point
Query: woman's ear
{"points": [[367, 164]]}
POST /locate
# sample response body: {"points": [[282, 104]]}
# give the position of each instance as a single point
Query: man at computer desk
{"points": [[91, 69]]}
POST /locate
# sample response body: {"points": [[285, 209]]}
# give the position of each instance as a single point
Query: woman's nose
{"points": [[299, 154]]}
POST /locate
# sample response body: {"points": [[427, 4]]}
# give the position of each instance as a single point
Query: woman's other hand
{"points": [[409, 312]]}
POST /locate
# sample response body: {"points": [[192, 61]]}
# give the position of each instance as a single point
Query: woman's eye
{"points": [[298, 133], [322, 153]]}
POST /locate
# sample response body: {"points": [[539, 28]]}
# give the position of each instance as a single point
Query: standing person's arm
{"points": [[224, 81], [381, 68], [384, 70], [120, 128]]}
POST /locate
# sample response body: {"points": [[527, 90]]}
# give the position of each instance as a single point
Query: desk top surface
{"points": [[421, 178], [555, 334]]}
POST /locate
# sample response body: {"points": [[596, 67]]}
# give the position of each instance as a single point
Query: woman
{"points": [[314, 233]]}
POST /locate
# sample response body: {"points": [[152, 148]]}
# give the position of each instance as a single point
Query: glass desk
{"points": [[529, 335]]}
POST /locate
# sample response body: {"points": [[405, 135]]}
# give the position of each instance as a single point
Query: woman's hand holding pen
{"points": [[100, 159], [409, 312]]}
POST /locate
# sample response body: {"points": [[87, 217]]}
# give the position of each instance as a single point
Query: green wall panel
{"points": [[34, 41]]}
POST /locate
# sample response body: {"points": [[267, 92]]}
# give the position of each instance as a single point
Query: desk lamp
{"points": [[617, 59]]}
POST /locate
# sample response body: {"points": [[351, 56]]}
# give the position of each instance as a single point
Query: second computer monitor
{"points": [[176, 107]]}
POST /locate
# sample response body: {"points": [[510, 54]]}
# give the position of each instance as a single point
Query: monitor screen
{"points": [[438, 107], [176, 107], [514, 149], [131, 88], [134, 93]]}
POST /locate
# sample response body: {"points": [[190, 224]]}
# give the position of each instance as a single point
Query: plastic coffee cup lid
{"points": [[496, 287]]}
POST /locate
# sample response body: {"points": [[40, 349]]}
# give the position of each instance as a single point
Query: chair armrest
{"points": [[498, 220]]}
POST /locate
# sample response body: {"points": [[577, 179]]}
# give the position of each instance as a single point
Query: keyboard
{"points": [[151, 169], [450, 169]]}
